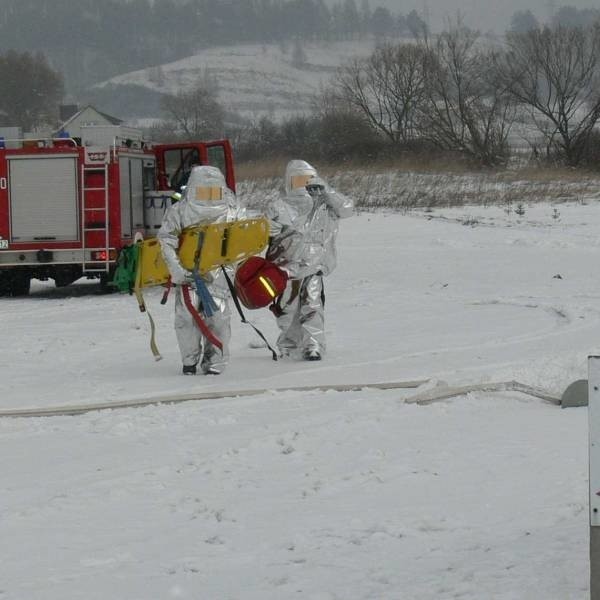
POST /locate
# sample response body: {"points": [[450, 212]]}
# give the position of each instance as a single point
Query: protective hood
{"points": [[206, 200], [304, 227], [297, 175], [206, 185]]}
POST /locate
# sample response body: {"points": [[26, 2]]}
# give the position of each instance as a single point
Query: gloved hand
{"points": [[182, 278], [315, 186], [189, 279]]}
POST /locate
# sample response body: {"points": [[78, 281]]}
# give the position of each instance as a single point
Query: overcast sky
{"points": [[481, 14]]}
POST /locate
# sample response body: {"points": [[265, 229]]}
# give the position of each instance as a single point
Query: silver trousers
{"points": [[194, 347], [302, 316]]}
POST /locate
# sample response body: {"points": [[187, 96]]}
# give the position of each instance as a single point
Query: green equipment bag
{"points": [[126, 271]]}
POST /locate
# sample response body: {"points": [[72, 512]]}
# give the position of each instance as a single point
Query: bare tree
{"points": [[553, 74], [466, 110], [196, 113], [387, 88]]}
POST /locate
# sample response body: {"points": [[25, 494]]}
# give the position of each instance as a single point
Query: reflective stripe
{"points": [[267, 286]]}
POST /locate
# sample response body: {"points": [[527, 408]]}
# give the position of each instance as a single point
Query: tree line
{"points": [[89, 41], [566, 16], [450, 93], [453, 92]]}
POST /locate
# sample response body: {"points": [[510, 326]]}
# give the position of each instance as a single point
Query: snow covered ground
{"points": [[318, 495]]}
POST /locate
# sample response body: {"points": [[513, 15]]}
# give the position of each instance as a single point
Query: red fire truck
{"points": [[67, 209]]}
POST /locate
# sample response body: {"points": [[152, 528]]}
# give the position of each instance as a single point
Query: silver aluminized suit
{"points": [[191, 210], [304, 227]]}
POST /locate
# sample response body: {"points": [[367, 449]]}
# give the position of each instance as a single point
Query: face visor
{"points": [[208, 193], [206, 184], [300, 181]]}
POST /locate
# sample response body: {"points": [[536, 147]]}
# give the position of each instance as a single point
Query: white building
{"points": [[95, 128]]}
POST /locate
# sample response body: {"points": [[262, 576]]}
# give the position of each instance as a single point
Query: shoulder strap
{"points": [[137, 290], [238, 306]]}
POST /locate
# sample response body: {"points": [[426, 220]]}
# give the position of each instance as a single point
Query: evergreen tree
{"points": [[298, 54], [569, 16], [90, 41], [365, 17], [382, 23], [523, 21], [31, 90], [401, 26], [337, 21], [417, 26], [322, 19], [351, 18]]}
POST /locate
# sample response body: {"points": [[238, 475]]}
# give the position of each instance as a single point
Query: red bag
{"points": [[258, 282]]}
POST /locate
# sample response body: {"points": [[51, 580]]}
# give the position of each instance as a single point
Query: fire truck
{"points": [[66, 208]]}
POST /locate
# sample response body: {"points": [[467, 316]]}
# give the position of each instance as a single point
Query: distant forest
{"points": [[90, 40]]}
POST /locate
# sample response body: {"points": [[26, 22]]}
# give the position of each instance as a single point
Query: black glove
{"points": [[315, 186]]}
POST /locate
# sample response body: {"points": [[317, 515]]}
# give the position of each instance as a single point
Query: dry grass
{"points": [[394, 185], [260, 169], [438, 165], [541, 174], [270, 168]]}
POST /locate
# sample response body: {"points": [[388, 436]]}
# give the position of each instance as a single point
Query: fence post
{"points": [[594, 473]]}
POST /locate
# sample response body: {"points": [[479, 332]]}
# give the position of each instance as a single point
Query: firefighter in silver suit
{"points": [[205, 200], [304, 226]]}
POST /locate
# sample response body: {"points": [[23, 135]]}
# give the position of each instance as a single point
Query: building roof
{"points": [[109, 118]]}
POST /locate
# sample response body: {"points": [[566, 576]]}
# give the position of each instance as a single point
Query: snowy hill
{"points": [[253, 80]]}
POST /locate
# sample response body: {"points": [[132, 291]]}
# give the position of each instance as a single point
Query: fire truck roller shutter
{"points": [[43, 198], [131, 171]]}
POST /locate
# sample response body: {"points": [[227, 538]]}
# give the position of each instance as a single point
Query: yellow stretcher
{"points": [[204, 248], [201, 249]]}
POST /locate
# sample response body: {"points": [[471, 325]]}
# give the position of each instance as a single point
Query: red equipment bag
{"points": [[258, 282]]}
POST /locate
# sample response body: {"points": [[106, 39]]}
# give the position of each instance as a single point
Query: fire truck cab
{"points": [[67, 209]]}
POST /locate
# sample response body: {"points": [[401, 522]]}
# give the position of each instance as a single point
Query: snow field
{"points": [[342, 496], [352, 495]]}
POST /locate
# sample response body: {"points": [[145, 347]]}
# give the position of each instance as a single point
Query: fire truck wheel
{"points": [[4, 285], [62, 280], [19, 285], [105, 287]]}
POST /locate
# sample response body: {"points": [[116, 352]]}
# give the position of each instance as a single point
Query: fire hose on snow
{"points": [[429, 396]]}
